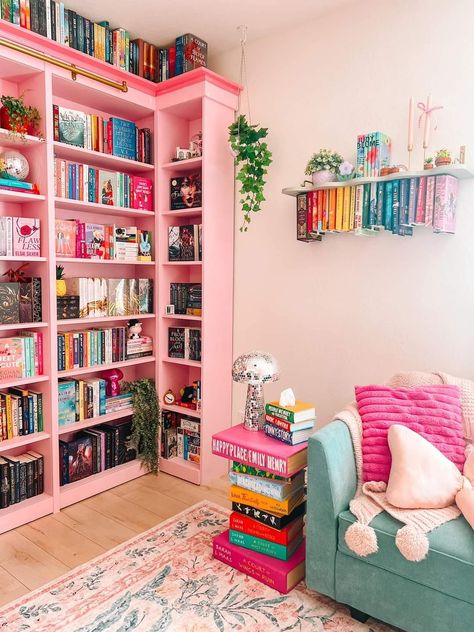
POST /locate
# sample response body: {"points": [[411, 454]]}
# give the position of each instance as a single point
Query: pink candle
{"points": [[426, 134], [411, 116]]}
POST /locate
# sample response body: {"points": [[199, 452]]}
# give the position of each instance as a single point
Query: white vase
{"points": [[321, 177]]}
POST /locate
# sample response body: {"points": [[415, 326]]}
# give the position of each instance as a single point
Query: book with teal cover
{"points": [[395, 206], [279, 551], [366, 206], [124, 142], [388, 206], [404, 193], [66, 402], [380, 203]]}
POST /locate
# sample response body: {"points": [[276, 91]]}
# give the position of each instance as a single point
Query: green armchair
{"points": [[434, 595]]}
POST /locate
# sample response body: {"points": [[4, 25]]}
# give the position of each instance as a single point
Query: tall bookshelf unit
{"points": [[174, 110]]}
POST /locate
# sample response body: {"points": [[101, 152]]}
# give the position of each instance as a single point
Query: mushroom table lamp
{"points": [[112, 377], [255, 369]]}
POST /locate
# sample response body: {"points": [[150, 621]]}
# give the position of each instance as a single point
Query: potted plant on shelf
{"points": [[324, 166], [428, 163], [145, 421], [18, 118], [252, 156], [443, 158]]}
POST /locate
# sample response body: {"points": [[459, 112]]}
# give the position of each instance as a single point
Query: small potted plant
{"points": [[17, 117], [324, 166], [443, 158], [428, 163]]}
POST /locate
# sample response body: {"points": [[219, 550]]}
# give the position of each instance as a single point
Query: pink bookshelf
{"points": [[174, 110]]}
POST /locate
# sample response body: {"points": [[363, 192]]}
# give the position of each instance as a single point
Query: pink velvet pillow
{"points": [[434, 412]]}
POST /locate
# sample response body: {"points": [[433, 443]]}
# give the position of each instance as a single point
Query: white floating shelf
{"points": [[462, 173]]}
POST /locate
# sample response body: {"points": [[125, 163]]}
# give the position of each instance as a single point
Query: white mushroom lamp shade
{"points": [[255, 369]]}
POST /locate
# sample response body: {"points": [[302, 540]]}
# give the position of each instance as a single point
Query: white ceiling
{"points": [[216, 21]]}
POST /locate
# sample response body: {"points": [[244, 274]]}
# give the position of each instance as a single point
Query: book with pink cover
{"points": [[258, 450], [12, 363], [445, 200], [26, 237], [142, 193], [66, 237], [278, 574]]}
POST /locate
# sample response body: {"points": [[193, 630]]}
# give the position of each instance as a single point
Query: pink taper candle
{"points": [[426, 134], [411, 116]]}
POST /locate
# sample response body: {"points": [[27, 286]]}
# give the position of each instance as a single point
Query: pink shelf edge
{"points": [[186, 470], [94, 421], [16, 442], [26, 511]]}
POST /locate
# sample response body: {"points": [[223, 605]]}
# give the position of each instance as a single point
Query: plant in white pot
{"points": [[324, 166]]}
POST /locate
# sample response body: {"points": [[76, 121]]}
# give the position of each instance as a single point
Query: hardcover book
{"points": [[95, 241], [278, 551], [288, 426], [80, 462], [278, 490], [259, 501], [71, 126], [276, 521], [186, 191], [176, 342], [259, 451], [191, 52], [253, 471], [66, 237], [290, 438], [240, 522], [281, 575], [444, 216], [26, 237], [108, 187], [12, 363], [301, 411], [142, 193], [66, 402], [9, 303]]}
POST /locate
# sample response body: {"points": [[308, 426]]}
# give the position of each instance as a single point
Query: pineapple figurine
{"points": [[60, 282]]}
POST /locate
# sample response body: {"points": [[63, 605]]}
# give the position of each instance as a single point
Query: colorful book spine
{"points": [[259, 501], [444, 215], [278, 551], [244, 524], [280, 575], [420, 201], [395, 206], [429, 200], [290, 438], [273, 489]]}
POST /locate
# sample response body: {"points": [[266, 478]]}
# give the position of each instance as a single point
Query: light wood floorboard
{"points": [[45, 549]]}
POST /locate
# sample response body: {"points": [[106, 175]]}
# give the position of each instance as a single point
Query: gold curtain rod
{"points": [[73, 69]]}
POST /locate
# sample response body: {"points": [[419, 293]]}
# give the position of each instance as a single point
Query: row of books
{"points": [[22, 477], [185, 343], [185, 243], [373, 153], [95, 450], [21, 413], [21, 356], [97, 296], [19, 236], [265, 537], [97, 347], [20, 302], [86, 399], [76, 181], [18, 186], [291, 426], [394, 205], [115, 136], [180, 437], [52, 19], [86, 240], [186, 298]]}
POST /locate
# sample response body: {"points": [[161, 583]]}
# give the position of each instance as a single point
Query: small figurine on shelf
{"points": [[428, 163], [443, 158], [61, 288], [134, 329], [112, 377]]}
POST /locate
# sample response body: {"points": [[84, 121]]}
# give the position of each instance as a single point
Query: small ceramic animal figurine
{"points": [[134, 329]]}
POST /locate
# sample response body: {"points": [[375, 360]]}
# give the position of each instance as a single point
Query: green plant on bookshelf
{"points": [[252, 157], [145, 420], [324, 160], [443, 157], [17, 117]]}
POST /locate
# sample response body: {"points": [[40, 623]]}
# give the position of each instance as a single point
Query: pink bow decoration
{"points": [[426, 111]]}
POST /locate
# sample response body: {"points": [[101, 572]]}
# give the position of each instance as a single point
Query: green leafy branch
{"points": [[145, 420], [252, 156]]}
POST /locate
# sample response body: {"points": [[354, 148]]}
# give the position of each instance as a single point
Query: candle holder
{"points": [[410, 150]]}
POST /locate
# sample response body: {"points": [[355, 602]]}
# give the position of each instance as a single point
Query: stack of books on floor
{"points": [[290, 424], [265, 539]]}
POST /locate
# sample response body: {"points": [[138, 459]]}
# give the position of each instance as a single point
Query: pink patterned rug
{"points": [[166, 579]]}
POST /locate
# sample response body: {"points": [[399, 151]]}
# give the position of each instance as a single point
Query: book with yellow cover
{"points": [[332, 209], [352, 210], [346, 208], [259, 501], [301, 411], [339, 208]]}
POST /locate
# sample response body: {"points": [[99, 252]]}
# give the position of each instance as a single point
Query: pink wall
{"points": [[353, 310]]}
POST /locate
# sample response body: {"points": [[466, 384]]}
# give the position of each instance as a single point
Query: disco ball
{"points": [[17, 167]]}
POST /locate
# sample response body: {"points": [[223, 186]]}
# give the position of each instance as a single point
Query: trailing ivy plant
{"points": [[252, 156], [145, 420]]}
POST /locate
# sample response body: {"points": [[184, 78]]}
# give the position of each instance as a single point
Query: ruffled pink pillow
{"points": [[434, 412]]}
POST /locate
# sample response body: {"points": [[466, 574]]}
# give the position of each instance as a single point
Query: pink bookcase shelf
{"points": [[99, 159], [14, 142], [182, 317], [198, 101], [182, 410], [182, 361]]}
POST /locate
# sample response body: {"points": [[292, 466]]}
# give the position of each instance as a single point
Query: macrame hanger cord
{"points": [[243, 72]]}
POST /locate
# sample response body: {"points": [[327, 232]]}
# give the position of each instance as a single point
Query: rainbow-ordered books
{"points": [[373, 153], [265, 536]]}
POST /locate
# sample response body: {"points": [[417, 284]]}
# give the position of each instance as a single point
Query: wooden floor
{"points": [[40, 551]]}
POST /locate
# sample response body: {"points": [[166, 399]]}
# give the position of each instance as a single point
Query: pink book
{"points": [[429, 202], [26, 237], [420, 201], [446, 192], [278, 574], [142, 193], [12, 364], [260, 451]]}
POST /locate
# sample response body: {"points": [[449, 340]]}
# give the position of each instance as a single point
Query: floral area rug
{"points": [[166, 579]]}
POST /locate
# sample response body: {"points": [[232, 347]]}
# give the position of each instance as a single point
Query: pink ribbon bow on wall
{"points": [[426, 110]]}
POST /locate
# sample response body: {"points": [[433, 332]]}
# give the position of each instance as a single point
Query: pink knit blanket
{"points": [[433, 411]]}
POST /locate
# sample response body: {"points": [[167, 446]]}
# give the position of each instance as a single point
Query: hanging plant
{"points": [[252, 157], [145, 420]]}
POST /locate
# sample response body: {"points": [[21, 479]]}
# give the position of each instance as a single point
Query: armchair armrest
{"points": [[331, 486]]}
